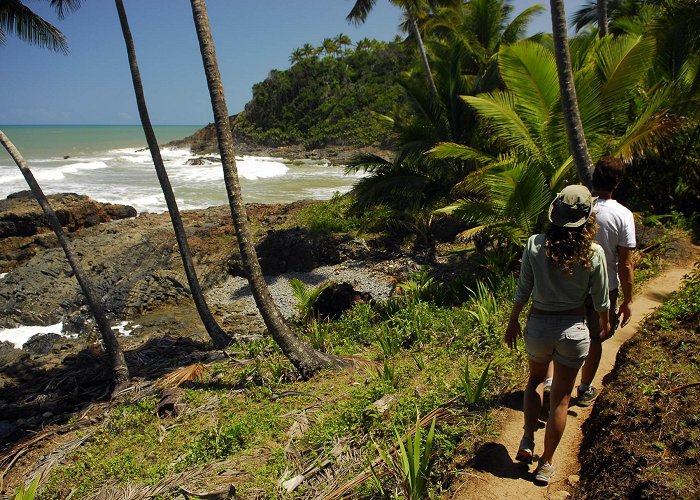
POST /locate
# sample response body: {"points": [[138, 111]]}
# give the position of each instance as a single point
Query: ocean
{"points": [[112, 164]]}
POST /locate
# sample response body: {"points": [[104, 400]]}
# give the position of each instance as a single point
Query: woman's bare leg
{"points": [[532, 398], [559, 396]]}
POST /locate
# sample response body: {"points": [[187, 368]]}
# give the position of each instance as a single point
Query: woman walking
{"points": [[559, 269]]}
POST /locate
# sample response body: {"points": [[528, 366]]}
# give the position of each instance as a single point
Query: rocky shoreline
{"points": [[136, 268], [203, 142]]}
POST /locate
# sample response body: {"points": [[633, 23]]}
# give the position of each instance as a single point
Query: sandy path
{"points": [[497, 476]]}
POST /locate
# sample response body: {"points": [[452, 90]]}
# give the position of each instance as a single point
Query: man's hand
{"points": [[513, 330], [624, 314]]}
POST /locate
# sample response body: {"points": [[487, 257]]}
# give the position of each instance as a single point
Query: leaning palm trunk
{"points": [[602, 10], [423, 55], [569, 103], [218, 336], [114, 352], [305, 358]]}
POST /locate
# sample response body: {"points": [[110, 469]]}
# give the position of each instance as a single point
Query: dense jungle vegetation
{"points": [[332, 94]]}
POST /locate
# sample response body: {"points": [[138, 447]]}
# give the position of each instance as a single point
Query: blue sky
{"points": [[92, 84]]}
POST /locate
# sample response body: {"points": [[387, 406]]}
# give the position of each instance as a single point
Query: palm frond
{"points": [[530, 72], [498, 109], [450, 150], [622, 62], [181, 375]]}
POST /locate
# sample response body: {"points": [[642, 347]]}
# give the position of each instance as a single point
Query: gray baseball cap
{"points": [[572, 207]]}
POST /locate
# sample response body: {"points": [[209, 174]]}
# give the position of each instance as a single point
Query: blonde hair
{"points": [[570, 248]]}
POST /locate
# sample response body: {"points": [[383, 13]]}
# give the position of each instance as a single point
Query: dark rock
{"points": [[9, 355], [337, 298], [21, 215], [6, 429], [41, 343], [298, 249]]}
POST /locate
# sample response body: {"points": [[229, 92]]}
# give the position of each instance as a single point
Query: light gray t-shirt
{"points": [[554, 290], [615, 229]]}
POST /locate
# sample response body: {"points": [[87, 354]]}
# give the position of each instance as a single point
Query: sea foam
{"points": [[18, 336]]}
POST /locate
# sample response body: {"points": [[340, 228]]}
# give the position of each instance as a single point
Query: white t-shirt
{"points": [[615, 229]]}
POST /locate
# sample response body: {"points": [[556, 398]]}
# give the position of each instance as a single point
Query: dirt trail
{"points": [[495, 475]]}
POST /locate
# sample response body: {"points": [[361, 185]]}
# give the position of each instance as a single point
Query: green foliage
{"points": [[217, 443], [414, 461], [27, 492], [389, 342], [473, 392], [483, 306], [306, 297], [330, 100], [683, 306], [318, 335], [387, 373], [332, 216], [420, 287]]}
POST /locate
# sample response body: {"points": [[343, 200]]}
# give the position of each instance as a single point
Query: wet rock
{"points": [[41, 343]]}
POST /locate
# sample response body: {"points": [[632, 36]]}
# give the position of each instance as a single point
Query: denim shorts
{"points": [[562, 338]]}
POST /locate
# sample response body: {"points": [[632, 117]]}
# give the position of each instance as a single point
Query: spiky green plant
{"points": [[27, 491], [473, 392], [306, 297], [413, 461]]}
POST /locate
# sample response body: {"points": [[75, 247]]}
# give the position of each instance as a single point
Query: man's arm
{"points": [[625, 271]]}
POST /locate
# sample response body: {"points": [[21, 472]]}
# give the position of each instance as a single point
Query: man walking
{"points": [[616, 235]]}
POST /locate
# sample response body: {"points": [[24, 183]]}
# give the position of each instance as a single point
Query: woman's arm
{"points": [[513, 330]]}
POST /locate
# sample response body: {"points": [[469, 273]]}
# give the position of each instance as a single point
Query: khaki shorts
{"points": [[561, 338], [593, 319]]}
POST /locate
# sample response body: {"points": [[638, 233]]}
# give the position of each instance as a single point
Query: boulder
{"points": [[298, 249], [337, 298], [21, 215], [41, 343]]}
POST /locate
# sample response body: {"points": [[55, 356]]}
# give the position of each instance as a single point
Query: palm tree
{"points": [[220, 338], [18, 20], [297, 55], [602, 10], [116, 356], [528, 132], [309, 51], [359, 12], [464, 39], [342, 41], [574, 129], [305, 358], [329, 47]]}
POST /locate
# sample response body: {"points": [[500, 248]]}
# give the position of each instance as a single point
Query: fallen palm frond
{"points": [[175, 483], [181, 375], [377, 467], [10, 457], [361, 363]]}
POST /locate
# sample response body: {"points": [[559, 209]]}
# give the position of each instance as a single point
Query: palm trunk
{"points": [[114, 352], [423, 55], [602, 7], [305, 358], [217, 334], [569, 103]]}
